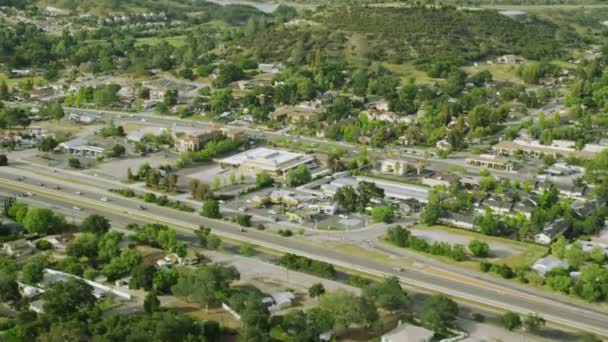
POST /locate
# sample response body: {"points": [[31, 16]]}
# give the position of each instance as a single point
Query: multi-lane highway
{"points": [[457, 285]]}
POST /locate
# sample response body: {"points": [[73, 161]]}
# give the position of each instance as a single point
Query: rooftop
{"points": [[267, 158]]}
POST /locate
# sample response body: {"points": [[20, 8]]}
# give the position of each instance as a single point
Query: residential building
{"points": [[584, 208], [277, 162], [278, 301], [408, 333], [84, 117], [304, 113], [195, 142], [18, 248], [509, 59], [551, 231], [393, 166], [457, 220], [498, 205]]}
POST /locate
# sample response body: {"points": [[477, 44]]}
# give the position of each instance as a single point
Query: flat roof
{"points": [[513, 145], [268, 159], [402, 191]]}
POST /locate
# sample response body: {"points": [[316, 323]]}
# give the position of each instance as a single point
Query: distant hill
{"points": [[422, 35]]}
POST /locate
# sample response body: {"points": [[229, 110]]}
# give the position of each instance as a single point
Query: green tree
{"points": [[558, 248], [398, 235], [3, 160], [383, 214], [255, 321], [211, 209], [597, 255], [66, 299], [85, 245], [74, 163], [43, 221], [479, 248], [220, 100], [4, 92], [316, 290], [47, 144], [164, 279], [388, 294], [348, 309], [532, 322], [432, 211], [9, 289], [95, 224], [298, 176], [575, 255], [487, 223], [263, 180], [116, 151], [151, 303], [142, 276], [510, 320], [439, 313], [207, 284], [108, 246]]}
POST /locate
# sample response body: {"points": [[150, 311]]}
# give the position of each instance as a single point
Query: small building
{"points": [[328, 209], [563, 169], [194, 142], [509, 59], [526, 206], [491, 161], [18, 248], [584, 208], [457, 220], [272, 68], [84, 117], [393, 166], [548, 263], [408, 333], [498, 205], [551, 231], [278, 301], [81, 148]]}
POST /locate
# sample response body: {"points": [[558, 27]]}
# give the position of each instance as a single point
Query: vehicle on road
{"points": [[29, 194], [41, 184], [57, 188], [104, 199], [77, 208], [397, 269], [78, 193], [141, 207], [242, 230]]}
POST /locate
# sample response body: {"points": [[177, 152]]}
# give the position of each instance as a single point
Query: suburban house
{"points": [[18, 248], [551, 231], [279, 300], [498, 205]]}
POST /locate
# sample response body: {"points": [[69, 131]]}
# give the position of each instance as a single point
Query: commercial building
{"points": [[491, 161], [535, 149], [277, 162], [81, 148], [392, 190]]}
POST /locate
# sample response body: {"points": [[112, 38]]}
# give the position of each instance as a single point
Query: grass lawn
{"points": [[176, 41], [407, 71], [12, 82], [502, 72], [528, 252], [357, 250]]}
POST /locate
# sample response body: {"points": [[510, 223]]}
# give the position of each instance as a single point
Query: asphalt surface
{"points": [[460, 286]]}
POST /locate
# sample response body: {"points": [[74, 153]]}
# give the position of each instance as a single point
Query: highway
{"points": [[457, 285]]}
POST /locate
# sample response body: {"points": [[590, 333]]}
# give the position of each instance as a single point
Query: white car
{"points": [[104, 199], [342, 216], [78, 193], [77, 208]]}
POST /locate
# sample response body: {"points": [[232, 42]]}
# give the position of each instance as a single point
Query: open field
{"points": [[407, 71], [176, 41], [501, 72]]}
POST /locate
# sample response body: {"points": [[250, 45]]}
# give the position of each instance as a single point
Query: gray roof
{"points": [[556, 227]]}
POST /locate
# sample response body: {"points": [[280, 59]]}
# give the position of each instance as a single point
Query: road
{"points": [[457, 285]]}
